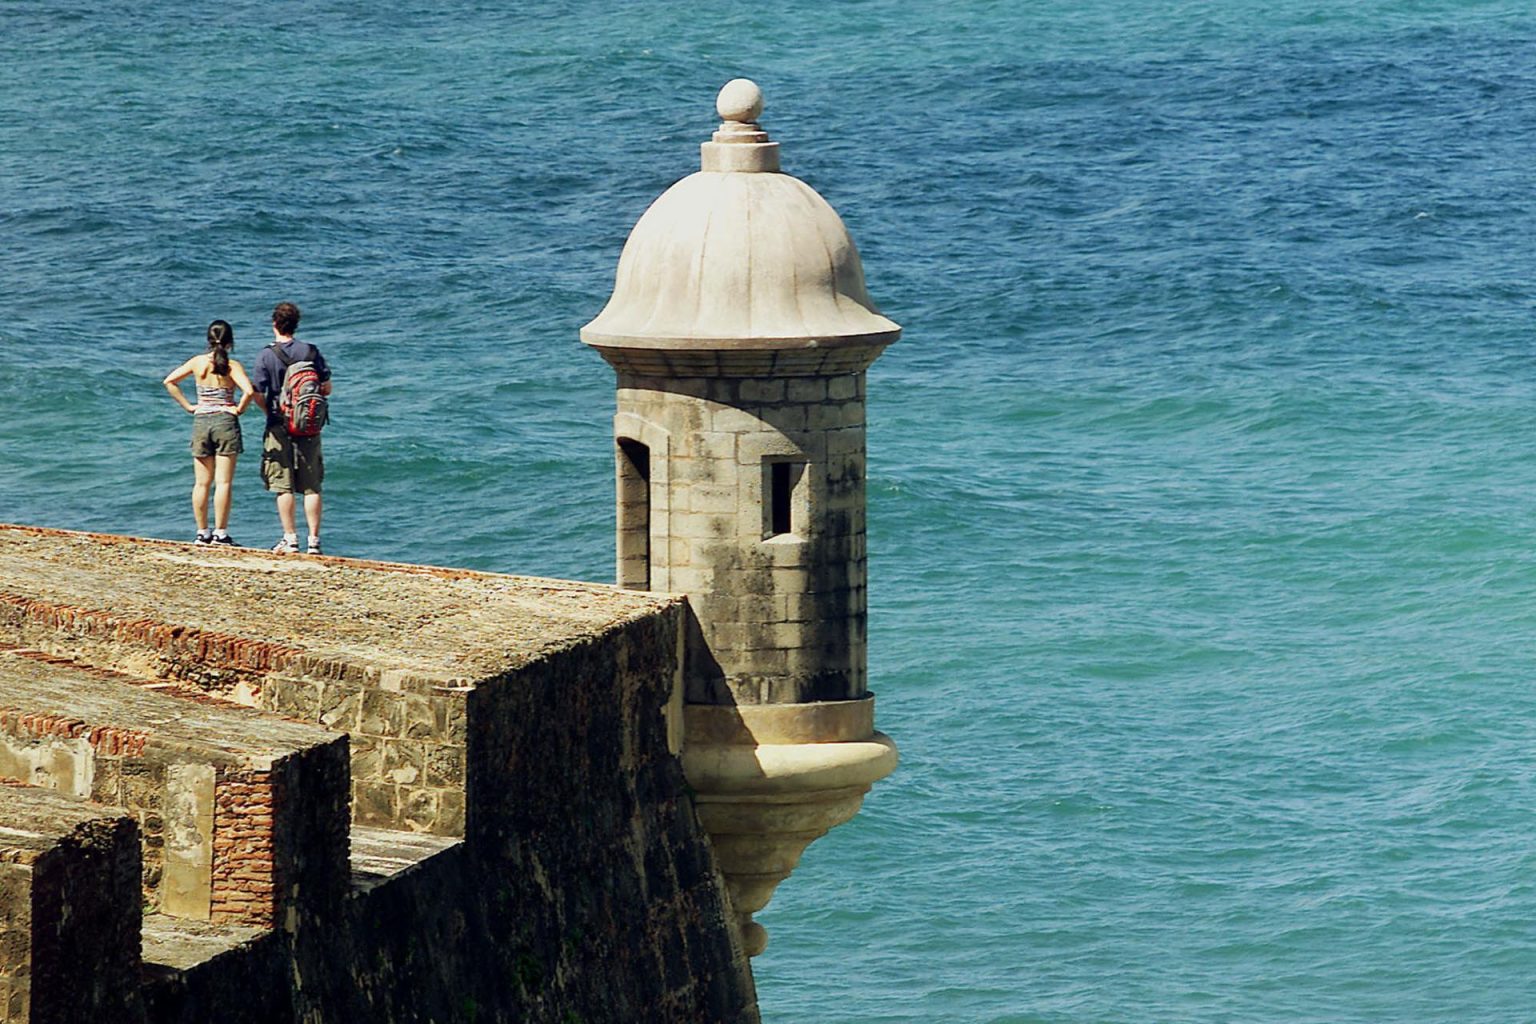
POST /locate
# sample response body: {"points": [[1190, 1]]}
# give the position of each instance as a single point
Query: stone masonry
{"points": [[782, 603], [523, 846], [740, 330], [69, 920], [198, 775]]}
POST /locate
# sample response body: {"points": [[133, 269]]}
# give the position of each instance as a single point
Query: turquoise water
{"points": [[1202, 575]]}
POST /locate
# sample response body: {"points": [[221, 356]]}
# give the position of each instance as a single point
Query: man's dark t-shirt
{"points": [[267, 376]]}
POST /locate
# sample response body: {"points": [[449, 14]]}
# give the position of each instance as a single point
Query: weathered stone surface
{"points": [[199, 775], [69, 915], [543, 730], [212, 615], [385, 652]]}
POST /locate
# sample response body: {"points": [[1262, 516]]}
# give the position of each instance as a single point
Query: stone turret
{"points": [[740, 330]]}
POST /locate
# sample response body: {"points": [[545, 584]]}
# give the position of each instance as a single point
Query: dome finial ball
{"points": [[740, 100]]}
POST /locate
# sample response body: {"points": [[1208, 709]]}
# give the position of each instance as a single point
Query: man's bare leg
{"points": [[313, 507], [285, 513]]}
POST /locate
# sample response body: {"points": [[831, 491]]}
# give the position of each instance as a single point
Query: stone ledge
{"points": [[37, 820], [61, 698], [400, 626], [380, 854], [230, 801], [171, 942]]}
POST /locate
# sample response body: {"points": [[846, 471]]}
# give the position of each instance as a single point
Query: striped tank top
{"points": [[215, 399]]}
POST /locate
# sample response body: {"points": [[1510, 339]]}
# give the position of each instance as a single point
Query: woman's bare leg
{"points": [[223, 475], [202, 476]]}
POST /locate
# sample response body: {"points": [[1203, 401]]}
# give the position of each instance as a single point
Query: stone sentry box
{"points": [[740, 330], [757, 513]]}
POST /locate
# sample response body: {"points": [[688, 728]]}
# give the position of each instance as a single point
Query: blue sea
{"points": [[1202, 485]]}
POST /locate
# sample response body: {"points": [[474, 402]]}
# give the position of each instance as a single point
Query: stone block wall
{"points": [[311, 826], [220, 826], [606, 904], [69, 910], [584, 889], [407, 738], [15, 941], [756, 510], [408, 732]]}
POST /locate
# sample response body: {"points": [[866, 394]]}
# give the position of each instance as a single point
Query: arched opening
{"points": [[634, 514]]}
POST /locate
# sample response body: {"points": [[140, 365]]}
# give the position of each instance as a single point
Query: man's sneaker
{"points": [[226, 541], [286, 547], [203, 538], [314, 548]]}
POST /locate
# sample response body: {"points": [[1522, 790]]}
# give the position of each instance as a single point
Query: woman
{"points": [[216, 441]]}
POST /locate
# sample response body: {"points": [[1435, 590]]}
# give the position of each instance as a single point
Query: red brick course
{"points": [[244, 881]]}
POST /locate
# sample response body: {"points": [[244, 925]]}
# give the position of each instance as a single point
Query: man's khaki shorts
{"points": [[291, 465]]}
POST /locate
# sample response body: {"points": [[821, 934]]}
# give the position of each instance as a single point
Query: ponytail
{"points": [[220, 337]]}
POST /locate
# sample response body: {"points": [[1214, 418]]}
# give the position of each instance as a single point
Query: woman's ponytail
{"points": [[220, 337]]}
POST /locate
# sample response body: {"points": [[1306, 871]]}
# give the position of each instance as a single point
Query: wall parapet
{"points": [[543, 717]]}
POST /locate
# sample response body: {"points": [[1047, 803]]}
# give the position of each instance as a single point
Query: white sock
{"points": [[314, 540], [291, 538], [205, 532], [221, 533]]}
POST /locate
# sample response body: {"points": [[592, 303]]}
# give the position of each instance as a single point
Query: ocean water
{"points": [[1203, 599]]}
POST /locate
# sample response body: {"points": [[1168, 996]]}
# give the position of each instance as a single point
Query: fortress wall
{"points": [[227, 799], [408, 733], [280, 839], [217, 663], [407, 741], [311, 827], [15, 941], [69, 910], [584, 889], [610, 903]]}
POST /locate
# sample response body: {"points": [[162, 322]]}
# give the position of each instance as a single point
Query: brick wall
{"points": [[244, 885]]}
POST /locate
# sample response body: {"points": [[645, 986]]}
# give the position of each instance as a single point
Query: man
{"points": [[289, 465]]}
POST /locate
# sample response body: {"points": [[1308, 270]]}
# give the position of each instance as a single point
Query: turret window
{"points": [[783, 498]]}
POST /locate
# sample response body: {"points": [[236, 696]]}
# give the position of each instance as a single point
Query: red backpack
{"points": [[302, 400]]}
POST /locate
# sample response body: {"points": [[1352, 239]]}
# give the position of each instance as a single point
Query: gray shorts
{"points": [[216, 433], [291, 465]]}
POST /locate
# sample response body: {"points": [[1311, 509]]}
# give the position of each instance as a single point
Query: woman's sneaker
{"points": [[203, 538], [286, 547], [226, 541], [314, 546]]}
